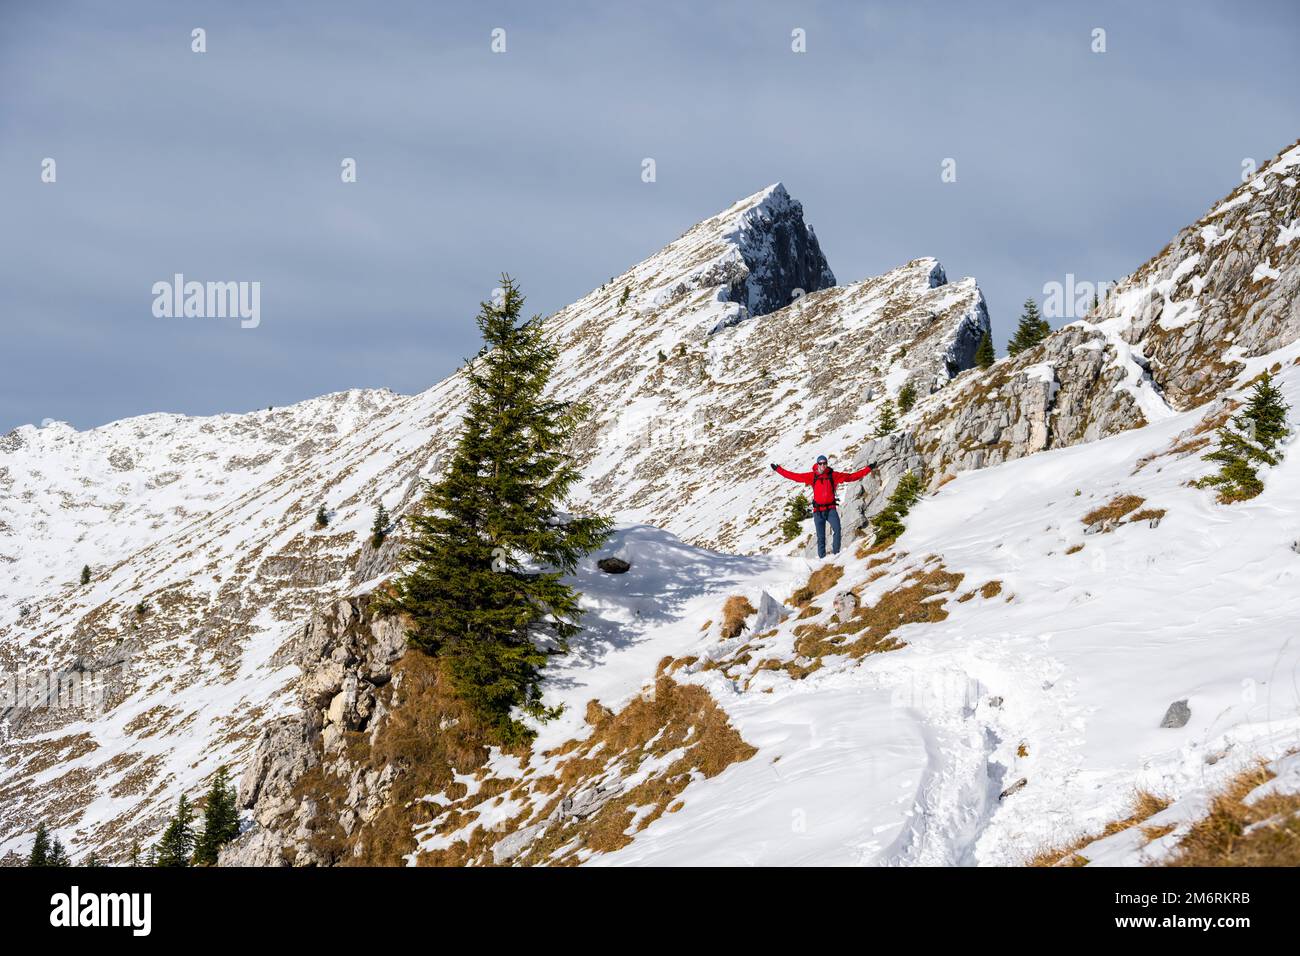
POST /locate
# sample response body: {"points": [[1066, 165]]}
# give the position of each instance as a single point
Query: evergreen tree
{"points": [[797, 510], [1249, 440], [142, 609], [622, 299], [135, 854], [483, 577], [662, 358], [906, 398], [177, 843], [322, 517], [379, 530], [888, 419], [984, 353], [889, 521], [220, 820], [85, 574], [40, 855], [1033, 328], [58, 855]]}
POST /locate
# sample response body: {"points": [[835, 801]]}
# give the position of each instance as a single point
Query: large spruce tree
{"points": [[483, 576], [1031, 330], [985, 356]]}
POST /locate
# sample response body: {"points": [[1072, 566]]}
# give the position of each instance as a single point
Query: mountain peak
{"points": [[779, 251]]}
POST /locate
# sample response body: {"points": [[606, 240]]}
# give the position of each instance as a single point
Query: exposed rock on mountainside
{"points": [[781, 254], [383, 766], [1169, 337]]}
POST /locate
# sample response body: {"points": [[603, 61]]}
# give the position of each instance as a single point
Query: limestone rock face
{"points": [[781, 255], [345, 652], [1160, 343]]}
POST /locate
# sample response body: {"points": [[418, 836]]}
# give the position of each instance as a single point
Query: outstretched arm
{"points": [[804, 477], [856, 475]]}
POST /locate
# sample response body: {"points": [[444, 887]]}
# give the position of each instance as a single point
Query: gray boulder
{"points": [[770, 613], [1177, 715]]}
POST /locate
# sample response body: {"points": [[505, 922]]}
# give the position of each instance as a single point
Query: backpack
{"points": [[829, 476]]}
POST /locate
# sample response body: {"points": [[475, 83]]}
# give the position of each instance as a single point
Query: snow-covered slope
{"points": [[1001, 692], [1059, 678], [990, 650], [207, 525]]}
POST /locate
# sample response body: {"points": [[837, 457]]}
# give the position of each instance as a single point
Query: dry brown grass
{"points": [[734, 611], [1147, 514], [1113, 510], [1145, 806], [675, 716], [869, 629], [1221, 837], [990, 589], [1074, 549], [819, 582], [428, 735]]}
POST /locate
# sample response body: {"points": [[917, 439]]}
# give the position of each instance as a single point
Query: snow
{"points": [[900, 759], [1264, 271], [905, 758]]}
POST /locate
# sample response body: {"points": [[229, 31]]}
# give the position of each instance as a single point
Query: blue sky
{"points": [[225, 165]]}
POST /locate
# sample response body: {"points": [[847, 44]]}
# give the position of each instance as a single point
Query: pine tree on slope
{"points": [[220, 820], [889, 521], [85, 574], [472, 586], [985, 355], [58, 855], [906, 398], [177, 844], [1248, 441], [888, 420], [797, 510], [379, 530], [40, 855], [1033, 328]]}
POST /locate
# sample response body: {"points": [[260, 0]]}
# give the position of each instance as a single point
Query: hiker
{"points": [[823, 480]]}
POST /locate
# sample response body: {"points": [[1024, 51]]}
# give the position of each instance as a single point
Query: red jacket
{"points": [[824, 481]]}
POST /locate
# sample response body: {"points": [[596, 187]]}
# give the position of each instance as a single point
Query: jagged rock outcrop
{"points": [[346, 654], [782, 257], [1168, 338]]}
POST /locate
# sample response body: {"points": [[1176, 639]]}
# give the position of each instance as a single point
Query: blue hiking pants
{"points": [[820, 520]]}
